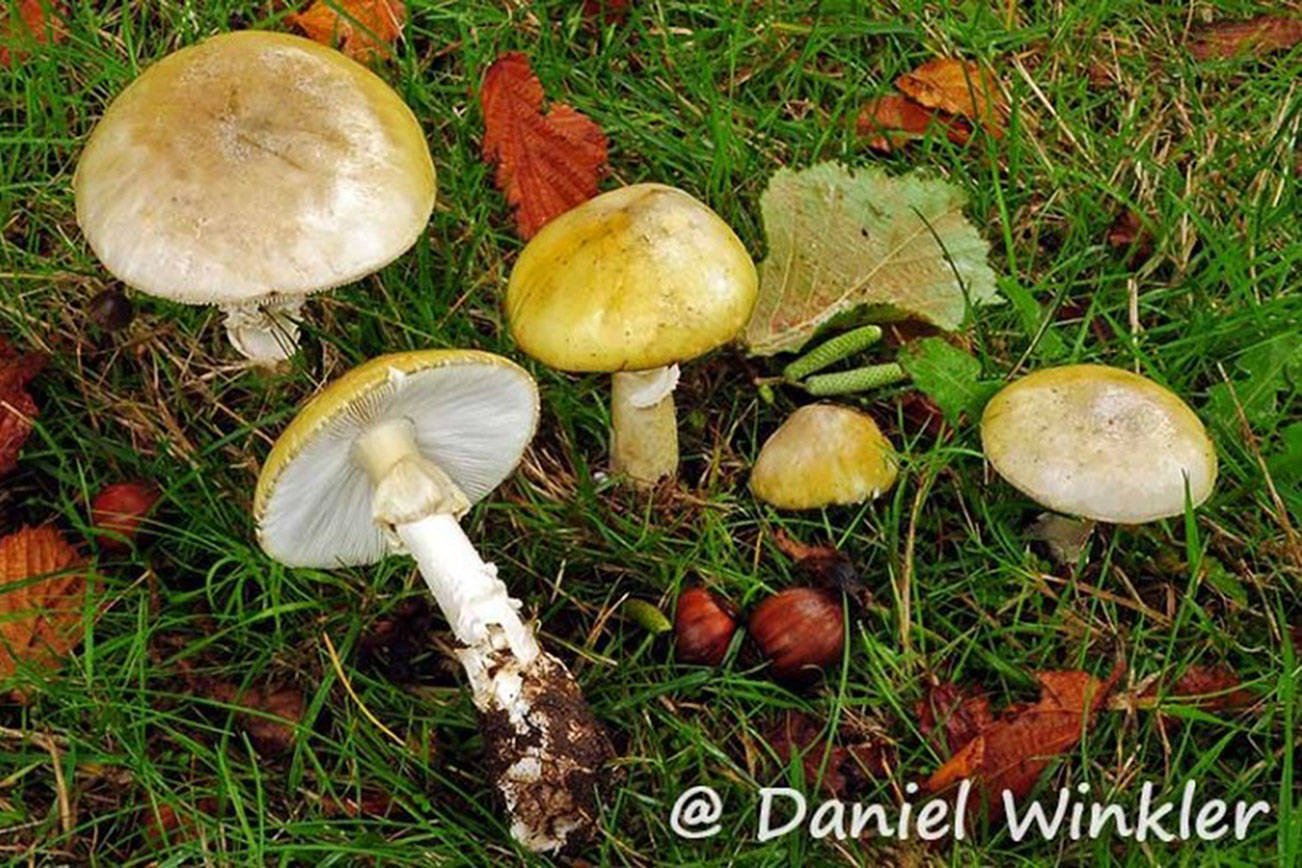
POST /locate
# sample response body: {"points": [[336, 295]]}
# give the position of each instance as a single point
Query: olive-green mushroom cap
{"points": [[637, 278], [252, 166], [1099, 442], [824, 454]]}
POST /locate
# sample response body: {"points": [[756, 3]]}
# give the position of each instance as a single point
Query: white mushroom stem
{"points": [[543, 747], [644, 425], [417, 500], [264, 333]]}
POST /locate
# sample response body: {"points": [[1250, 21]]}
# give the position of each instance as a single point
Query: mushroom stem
{"points": [[265, 333], [543, 747], [644, 425]]}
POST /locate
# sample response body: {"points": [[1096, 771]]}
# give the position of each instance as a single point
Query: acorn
{"points": [[703, 624], [799, 630]]}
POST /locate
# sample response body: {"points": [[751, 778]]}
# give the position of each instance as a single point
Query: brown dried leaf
{"points": [[546, 164], [852, 761], [361, 28], [1011, 753], [951, 716], [1258, 36], [609, 11], [16, 406], [1128, 231], [40, 21], [893, 120], [285, 705], [42, 591], [1215, 688], [119, 509], [959, 87]]}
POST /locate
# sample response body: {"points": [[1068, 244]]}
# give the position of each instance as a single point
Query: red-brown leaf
{"points": [[893, 120], [38, 20], [1011, 753], [852, 761], [119, 508], [1214, 688], [959, 87], [1258, 36], [16, 406], [269, 734], [546, 163], [609, 11], [361, 28], [951, 716], [42, 591]]}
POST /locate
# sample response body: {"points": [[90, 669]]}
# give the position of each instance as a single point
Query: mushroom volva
{"points": [[386, 460], [1099, 442], [632, 283], [250, 171]]}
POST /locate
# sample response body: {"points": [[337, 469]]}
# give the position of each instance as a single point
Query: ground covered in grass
{"points": [[1109, 113]]}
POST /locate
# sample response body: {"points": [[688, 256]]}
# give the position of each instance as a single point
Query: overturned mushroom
{"points": [[386, 460], [1099, 442], [824, 454], [250, 171], [632, 283]]}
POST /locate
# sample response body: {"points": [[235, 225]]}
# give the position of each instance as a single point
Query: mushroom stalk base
{"points": [[543, 748], [264, 333], [644, 434]]}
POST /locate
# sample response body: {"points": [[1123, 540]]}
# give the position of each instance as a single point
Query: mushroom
{"points": [[632, 283], [824, 454], [250, 171], [385, 460], [1099, 442]]}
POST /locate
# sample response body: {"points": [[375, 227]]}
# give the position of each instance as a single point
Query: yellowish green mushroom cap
{"points": [[1099, 442], [473, 414], [824, 454], [641, 277], [253, 166]]}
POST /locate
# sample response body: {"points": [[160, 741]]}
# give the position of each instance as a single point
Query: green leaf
{"points": [[842, 241], [1269, 368], [948, 376]]}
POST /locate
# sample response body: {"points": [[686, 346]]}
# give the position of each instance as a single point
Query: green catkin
{"points": [[855, 380], [837, 348], [646, 615]]}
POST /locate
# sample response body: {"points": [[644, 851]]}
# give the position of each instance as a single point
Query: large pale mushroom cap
{"points": [[473, 415], [1099, 442], [824, 454], [252, 165], [637, 278]]}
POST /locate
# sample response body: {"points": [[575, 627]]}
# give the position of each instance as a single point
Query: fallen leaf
{"points": [[893, 120], [546, 163], [16, 406], [38, 21], [843, 768], [1127, 232], [118, 509], [948, 376], [950, 716], [42, 591], [959, 87], [827, 565], [271, 713], [361, 28], [1213, 688], [843, 241], [1257, 36], [166, 827], [1011, 752], [609, 11], [373, 803]]}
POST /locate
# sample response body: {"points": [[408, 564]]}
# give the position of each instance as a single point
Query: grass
{"points": [[1109, 112]]}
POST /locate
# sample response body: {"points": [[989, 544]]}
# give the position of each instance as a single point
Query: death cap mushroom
{"points": [[824, 455], [1099, 442], [250, 171], [633, 283], [387, 459]]}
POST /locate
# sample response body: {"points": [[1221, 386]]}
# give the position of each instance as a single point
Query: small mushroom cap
{"points": [[473, 412], [251, 165], [1098, 442], [824, 454], [637, 278]]}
